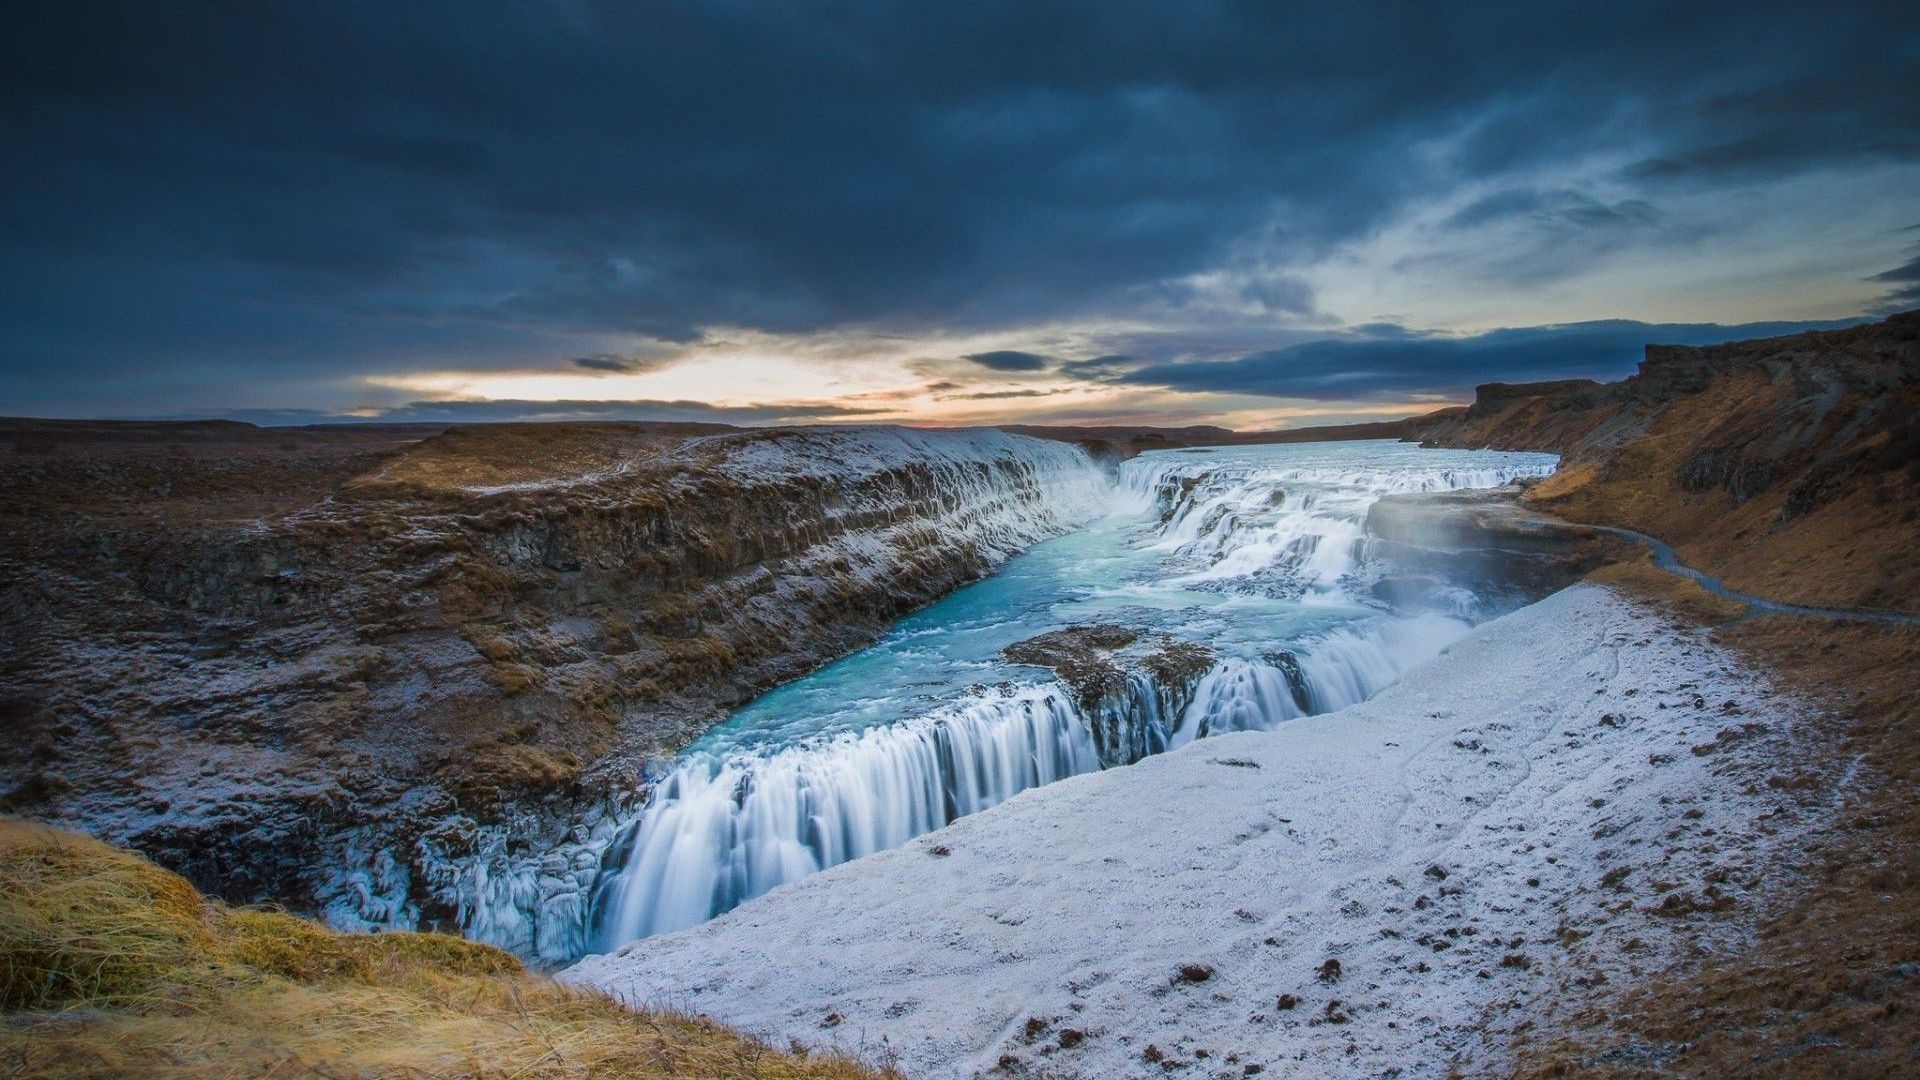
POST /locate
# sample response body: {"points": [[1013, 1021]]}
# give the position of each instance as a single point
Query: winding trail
{"points": [[1665, 559]]}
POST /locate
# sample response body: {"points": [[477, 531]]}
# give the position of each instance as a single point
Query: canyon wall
{"points": [[1788, 466], [366, 671]]}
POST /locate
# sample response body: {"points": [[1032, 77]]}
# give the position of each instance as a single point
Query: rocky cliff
{"points": [[1789, 466], [363, 671]]}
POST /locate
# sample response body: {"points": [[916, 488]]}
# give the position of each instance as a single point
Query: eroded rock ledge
{"points": [[1131, 684]]}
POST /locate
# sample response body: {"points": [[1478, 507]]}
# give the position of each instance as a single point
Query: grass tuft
{"points": [[85, 924], [113, 967]]}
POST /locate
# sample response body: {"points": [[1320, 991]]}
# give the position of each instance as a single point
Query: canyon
{"points": [[1649, 803], [985, 727]]}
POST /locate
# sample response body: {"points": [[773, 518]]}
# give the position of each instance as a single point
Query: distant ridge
{"points": [[1125, 442]]}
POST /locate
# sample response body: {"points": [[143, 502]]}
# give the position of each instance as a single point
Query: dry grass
{"points": [[112, 967], [1832, 987], [1852, 548], [1794, 474]]}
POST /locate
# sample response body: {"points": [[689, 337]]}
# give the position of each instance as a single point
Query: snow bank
{"points": [[1420, 873]]}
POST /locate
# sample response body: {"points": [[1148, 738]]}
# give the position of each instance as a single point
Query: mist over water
{"points": [[1258, 553]]}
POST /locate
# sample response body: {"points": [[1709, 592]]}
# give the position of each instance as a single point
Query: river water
{"points": [[1258, 553]]}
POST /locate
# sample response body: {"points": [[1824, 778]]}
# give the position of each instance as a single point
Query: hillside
{"points": [[1788, 466]]}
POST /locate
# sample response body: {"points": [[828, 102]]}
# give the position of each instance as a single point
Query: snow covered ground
{"points": [[1392, 889]]}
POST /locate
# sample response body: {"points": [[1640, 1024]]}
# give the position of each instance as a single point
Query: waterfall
{"points": [[722, 826], [1141, 718], [1354, 662], [1345, 666], [1244, 695], [720, 831], [1291, 531]]}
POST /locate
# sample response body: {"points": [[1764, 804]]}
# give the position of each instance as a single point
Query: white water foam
{"points": [[722, 831], [1284, 529]]}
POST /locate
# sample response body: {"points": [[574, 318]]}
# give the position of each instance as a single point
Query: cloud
{"points": [[1391, 361], [1906, 280], [1559, 207], [997, 395], [606, 362], [294, 196], [1099, 368], [1009, 360]]}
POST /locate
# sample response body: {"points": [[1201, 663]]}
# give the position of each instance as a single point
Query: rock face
{"points": [[1131, 686], [1788, 466], [362, 670], [1516, 416]]}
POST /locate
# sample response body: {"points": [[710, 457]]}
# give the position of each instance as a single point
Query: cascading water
{"points": [[1249, 550], [723, 830], [1248, 523]]}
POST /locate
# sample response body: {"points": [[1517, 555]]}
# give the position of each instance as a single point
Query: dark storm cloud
{"points": [[1391, 362], [1571, 207], [298, 193], [1009, 360], [1001, 395], [1099, 368], [606, 362], [1906, 282], [620, 364]]}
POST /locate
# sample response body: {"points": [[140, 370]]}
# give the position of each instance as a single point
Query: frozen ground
{"points": [[1566, 798]]}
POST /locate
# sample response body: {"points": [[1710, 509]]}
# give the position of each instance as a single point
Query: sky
{"points": [[1255, 215]]}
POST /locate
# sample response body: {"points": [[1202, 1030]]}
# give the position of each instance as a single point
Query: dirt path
{"points": [[1665, 559]]}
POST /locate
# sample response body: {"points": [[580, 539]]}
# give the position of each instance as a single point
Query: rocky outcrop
{"points": [[1514, 416], [1788, 466], [1131, 686], [365, 671]]}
